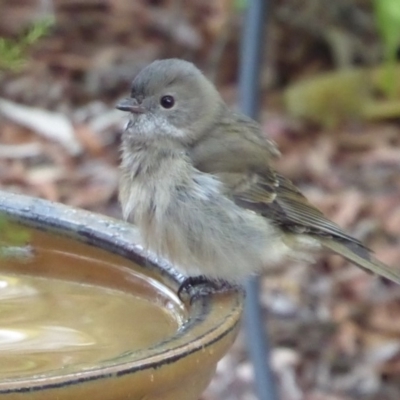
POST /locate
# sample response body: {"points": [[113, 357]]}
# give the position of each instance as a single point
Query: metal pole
{"points": [[249, 82]]}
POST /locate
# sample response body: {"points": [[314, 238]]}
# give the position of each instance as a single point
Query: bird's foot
{"points": [[200, 286]]}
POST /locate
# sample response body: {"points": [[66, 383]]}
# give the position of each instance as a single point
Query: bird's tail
{"points": [[360, 256]]}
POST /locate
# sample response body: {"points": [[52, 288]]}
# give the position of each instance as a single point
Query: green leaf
{"points": [[11, 235], [241, 5], [12, 52], [387, 15], [38, 30]]}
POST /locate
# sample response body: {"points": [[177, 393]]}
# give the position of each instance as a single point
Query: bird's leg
{"points": [[199, 286]]}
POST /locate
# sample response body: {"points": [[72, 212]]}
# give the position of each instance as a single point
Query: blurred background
{"points": [[330, 99]]}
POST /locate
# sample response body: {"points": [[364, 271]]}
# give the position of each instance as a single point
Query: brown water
{"points": [[73, 323], [48, 324]]}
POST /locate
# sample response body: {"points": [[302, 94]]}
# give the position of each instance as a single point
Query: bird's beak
{"points": [[131, 105]]}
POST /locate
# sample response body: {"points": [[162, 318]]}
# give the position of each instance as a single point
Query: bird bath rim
{"points": [[210, 318]]}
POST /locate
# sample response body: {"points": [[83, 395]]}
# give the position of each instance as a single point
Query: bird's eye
{"points": [[167, 101]]}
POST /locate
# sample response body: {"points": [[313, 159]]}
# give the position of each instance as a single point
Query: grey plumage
{"points": [[197, 180]]}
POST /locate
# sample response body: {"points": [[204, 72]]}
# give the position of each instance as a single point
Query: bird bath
{"points": [[85, 312]]}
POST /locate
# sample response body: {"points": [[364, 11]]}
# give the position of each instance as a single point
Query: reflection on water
{"points": [[48, 324]]}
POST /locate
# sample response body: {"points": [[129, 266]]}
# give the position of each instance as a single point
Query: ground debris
{"points": [[334, 329]]}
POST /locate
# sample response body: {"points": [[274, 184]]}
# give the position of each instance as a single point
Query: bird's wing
{"points": [[238, 152], [277, 199], [239, 155], [283, 204]]}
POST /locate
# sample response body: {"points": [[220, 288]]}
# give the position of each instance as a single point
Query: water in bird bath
{"points": [[68, 306]]}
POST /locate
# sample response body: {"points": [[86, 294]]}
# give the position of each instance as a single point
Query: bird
{"points": [[197, 180]]}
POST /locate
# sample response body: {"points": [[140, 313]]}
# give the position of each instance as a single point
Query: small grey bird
{"points": [[197, 181]]}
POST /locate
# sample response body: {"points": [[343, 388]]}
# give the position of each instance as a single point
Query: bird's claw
{"points": [[200, 286]]}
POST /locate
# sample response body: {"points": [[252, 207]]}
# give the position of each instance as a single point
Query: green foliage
{"points": [[241, 5], [13, 52], [387, 15], [345, 95], [11, 235]]}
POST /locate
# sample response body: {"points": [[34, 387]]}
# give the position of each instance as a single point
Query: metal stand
{"points": [[251, 56]]}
